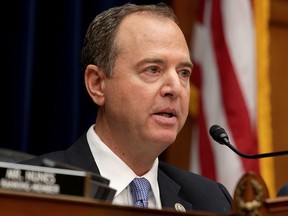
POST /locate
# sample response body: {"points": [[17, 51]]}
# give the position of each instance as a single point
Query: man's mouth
{"points": [[168, 115]]}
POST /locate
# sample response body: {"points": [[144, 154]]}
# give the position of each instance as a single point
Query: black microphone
{"points": [[220, 136]]}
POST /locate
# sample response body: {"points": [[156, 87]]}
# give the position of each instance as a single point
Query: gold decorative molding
{"points": [[250, 194]]}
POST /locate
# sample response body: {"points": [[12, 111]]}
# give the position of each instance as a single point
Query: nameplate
{"points": [[52, 181]]}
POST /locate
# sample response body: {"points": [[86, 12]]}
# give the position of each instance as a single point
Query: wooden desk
{"points": [[30, 204], [251, 198]]}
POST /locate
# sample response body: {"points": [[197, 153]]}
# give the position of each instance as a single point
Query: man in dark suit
{"points": [[283, 191], [137, 65]]}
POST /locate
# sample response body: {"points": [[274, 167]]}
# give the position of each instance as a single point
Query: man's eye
{"points": [[152, 69], [185, 73]]}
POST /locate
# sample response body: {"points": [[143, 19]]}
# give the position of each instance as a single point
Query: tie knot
{"points": [[140, 188]]}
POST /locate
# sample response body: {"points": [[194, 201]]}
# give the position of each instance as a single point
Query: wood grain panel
{"points": [[279, 85]]}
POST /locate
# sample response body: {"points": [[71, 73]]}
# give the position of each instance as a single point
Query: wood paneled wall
{"points": [[179, 152], [279, 85]]}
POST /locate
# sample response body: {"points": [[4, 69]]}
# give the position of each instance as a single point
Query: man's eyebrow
{"points": [[186, 64], [150, 60], [159, 61]]}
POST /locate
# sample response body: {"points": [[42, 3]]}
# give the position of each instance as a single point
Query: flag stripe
{"points": [[207, 160]]}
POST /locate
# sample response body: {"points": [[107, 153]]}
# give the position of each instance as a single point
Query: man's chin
{"points": [[166, 139]]}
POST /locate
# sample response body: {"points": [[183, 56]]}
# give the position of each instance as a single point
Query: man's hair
{"points": [[99, 47]]}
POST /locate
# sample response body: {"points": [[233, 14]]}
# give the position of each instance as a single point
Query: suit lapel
{"points": [[169, 192], [79, 154]]}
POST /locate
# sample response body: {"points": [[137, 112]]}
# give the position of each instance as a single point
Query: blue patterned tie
{"points": [[140, 190]]}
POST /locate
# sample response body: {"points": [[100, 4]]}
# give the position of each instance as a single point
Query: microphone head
{"points": [[219, 134]]}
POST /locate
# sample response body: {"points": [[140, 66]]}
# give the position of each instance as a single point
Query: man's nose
{"points": [[171, 86]]}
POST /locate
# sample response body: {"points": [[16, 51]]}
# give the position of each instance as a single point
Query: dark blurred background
{"points": [[44, 103]]}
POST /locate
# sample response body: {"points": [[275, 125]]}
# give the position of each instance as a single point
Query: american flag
{"points": [[224, 84]]}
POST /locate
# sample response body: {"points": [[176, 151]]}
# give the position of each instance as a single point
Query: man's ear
{"points": [[94, 82]]}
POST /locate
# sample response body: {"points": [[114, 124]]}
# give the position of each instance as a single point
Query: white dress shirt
{"points": [[119, 174]]}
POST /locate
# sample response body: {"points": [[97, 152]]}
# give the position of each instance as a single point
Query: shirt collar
{"points": [[112, 167]]}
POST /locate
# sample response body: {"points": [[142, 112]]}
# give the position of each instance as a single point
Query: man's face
{"points": [[147, 98]]}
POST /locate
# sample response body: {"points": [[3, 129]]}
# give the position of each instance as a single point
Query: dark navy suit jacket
{"points": [[283, 191], [193, 191]]}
